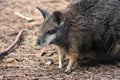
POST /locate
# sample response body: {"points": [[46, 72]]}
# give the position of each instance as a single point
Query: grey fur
{"points": [[91, 28]]}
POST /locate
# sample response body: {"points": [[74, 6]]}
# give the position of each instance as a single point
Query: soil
{"points": [[23, 64]]}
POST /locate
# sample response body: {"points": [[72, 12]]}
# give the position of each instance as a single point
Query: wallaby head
{"points": [[50, 29]]}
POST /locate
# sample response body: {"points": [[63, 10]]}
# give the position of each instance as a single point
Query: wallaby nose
{"points": [[38, 42]]}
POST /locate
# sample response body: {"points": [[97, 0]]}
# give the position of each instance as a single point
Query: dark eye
{"points": [[51, 32]]}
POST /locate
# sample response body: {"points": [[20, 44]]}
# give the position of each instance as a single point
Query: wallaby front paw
{"points": [[59, 67], [68, 72]]}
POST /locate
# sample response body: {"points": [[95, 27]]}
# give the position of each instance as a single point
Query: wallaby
{"points": [[86, 28]]}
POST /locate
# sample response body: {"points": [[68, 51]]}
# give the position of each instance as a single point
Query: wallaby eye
{"points": [[51, 32]]}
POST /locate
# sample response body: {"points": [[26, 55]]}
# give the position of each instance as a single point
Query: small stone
{"points": [[49, 63]]}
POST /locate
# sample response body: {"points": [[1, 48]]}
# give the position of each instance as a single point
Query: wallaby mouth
{"points": [[42, 45]]}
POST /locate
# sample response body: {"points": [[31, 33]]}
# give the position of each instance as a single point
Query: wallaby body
{"points": [[86, 28]]}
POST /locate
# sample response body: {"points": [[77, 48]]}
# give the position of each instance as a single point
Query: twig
{"points": [[24, 17], [65, 2], [6, 51], [52, 1]]}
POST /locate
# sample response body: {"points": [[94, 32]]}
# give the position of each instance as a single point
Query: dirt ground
{"points": [[22, 64]]}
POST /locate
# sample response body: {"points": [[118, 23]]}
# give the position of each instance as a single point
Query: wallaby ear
{"points": [[44, 13], [58, 17]]}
